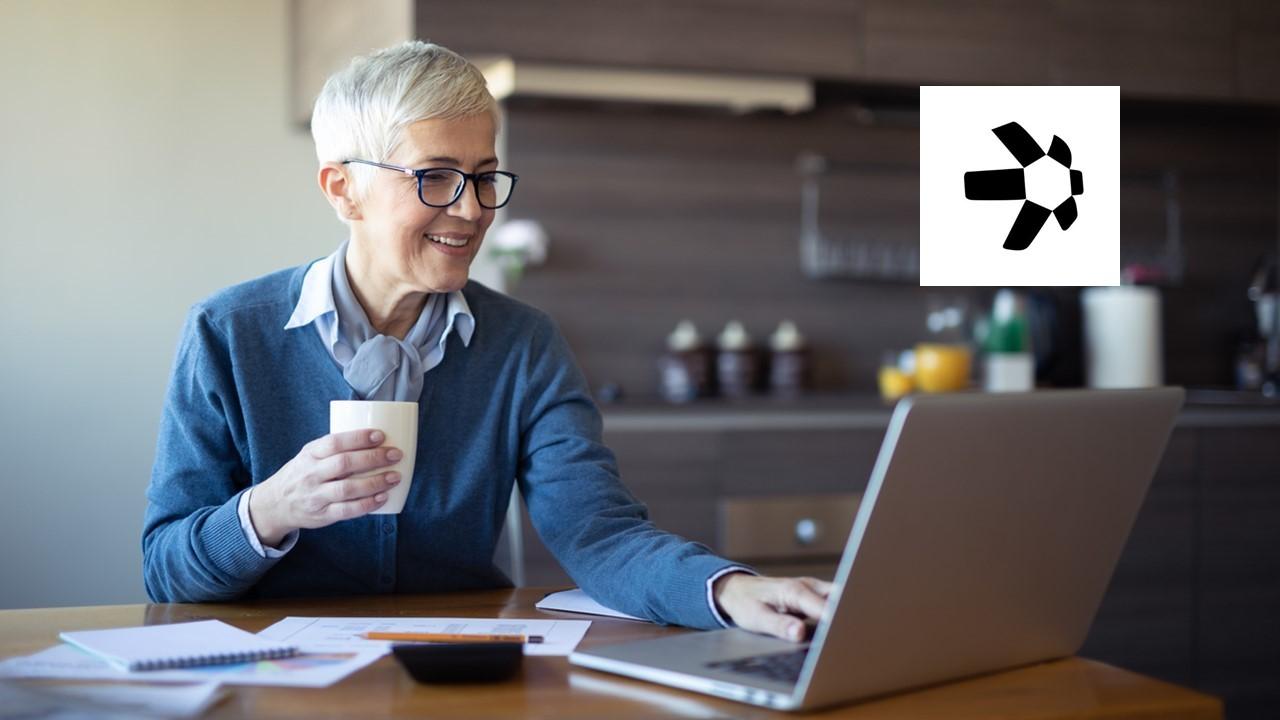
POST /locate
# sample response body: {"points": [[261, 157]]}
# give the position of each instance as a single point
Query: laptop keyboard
{"points": [[782, 667]]}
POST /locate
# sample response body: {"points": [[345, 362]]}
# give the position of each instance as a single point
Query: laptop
{"points": [[985, 540]]}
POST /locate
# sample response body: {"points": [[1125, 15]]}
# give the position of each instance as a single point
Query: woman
{"points": [[251, 497]]}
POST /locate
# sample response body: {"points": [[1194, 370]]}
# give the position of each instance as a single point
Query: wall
{"points": [[658, 214], [661, 213], [147, 160]]}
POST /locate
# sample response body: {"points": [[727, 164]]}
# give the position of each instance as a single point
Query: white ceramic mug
{"points": [[399, 421]]}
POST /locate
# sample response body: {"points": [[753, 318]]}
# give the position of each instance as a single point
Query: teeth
{"points": [[451, 242]]}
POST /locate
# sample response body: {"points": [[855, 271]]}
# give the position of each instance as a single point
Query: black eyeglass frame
{"points": [[473, 178]]}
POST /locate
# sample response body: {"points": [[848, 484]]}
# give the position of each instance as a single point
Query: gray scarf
{"points": [[383, 367]]}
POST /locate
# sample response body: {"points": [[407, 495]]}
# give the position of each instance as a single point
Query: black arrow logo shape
{"points": [[1011, 185]]}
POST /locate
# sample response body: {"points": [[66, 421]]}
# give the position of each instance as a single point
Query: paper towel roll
{"points": [[1122, 338]]}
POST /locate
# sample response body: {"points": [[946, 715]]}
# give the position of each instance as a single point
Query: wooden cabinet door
{"points": [[1182, 49], [1258, 50], [1239, 628], [1153, 48], [795, 37], [984, 42]]}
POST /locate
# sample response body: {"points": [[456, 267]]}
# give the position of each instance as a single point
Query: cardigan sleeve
{"points": [[598, 531], [193, 547]]}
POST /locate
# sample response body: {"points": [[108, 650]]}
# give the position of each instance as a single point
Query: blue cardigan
{"points": [[246, 395]]}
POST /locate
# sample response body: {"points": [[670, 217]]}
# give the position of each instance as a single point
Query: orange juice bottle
{"points": [[895, 378], [943, 367]]}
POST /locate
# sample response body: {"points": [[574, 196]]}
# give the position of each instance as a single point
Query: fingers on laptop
{"points": [[821, 587], [790, 602], [786, 627], [796, 596]]}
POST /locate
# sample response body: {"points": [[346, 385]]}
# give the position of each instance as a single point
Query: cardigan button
{"points": [[388, 528]]}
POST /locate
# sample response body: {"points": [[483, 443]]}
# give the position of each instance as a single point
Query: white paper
{"points": [[336, 634], [579, 602], [308, 669], [107, 701]]}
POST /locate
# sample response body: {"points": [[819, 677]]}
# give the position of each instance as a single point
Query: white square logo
{"points": [[1020, 186]]}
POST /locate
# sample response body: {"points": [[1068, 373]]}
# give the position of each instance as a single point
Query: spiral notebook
{"points": [[179, 645]]}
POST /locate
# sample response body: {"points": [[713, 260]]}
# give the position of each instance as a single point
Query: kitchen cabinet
{"points": [[986, 42], [794, 37], [694, 471], [787, 535], [1258, 51], [1238, 628], [1150, 48], [1167, 49], [1205, 50]]}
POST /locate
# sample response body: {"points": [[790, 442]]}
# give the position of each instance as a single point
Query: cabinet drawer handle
{"points": [[807, 531]]}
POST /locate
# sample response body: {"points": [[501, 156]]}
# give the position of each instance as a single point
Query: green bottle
{"points": [[1008, 365]]}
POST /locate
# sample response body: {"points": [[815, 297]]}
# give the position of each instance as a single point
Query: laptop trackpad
{"points": [[701, 653]]}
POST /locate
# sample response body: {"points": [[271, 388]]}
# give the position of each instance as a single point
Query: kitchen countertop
{"points": [[835, 411]]}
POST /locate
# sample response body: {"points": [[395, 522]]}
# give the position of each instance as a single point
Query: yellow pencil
{"points": [[450, 637]]}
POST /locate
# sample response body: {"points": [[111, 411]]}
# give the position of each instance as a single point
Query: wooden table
{"points": [[550, 687]]}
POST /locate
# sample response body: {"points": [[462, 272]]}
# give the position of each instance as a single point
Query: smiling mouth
{"points": [[455, 242]]}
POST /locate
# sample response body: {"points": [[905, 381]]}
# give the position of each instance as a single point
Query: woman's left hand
{"points": [[773, 606]]}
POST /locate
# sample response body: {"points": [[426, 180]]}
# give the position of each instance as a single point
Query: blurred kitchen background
{"points": [[707, 161]]}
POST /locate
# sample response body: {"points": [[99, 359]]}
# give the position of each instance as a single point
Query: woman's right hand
{"points": [[316, 487]]}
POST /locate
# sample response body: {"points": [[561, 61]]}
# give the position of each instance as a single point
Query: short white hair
{"points": [[363, 109]]}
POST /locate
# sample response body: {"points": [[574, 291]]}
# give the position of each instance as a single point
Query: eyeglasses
{"points": [[441, 187]]}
